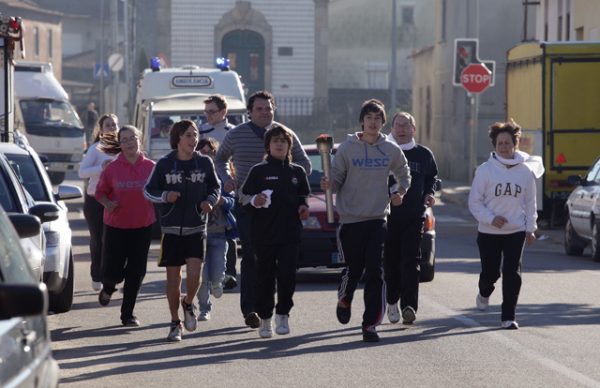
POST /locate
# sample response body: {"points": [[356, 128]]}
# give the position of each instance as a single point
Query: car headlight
{"points": [[52, 238], [311, 223]]}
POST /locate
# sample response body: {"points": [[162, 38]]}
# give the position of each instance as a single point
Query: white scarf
{"points": [[404, 147], [534, 163]]}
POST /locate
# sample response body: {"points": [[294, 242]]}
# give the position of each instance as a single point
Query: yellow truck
{"points": [[553, 92]]}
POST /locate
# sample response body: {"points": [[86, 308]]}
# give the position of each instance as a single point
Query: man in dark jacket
{"points": [[405, 223]]}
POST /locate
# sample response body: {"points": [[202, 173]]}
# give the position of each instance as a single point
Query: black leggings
{"points": [[125, 258], [94, 212], [501, 251]]}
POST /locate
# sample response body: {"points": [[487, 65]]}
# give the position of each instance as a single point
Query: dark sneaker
{"points": [[408, 315], [370, 335], [252, 320], [229, 282], [104, 297], [131, 322], [343, 311]]}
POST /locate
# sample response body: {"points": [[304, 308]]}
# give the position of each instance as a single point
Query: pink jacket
{"points": [[123, 183]]}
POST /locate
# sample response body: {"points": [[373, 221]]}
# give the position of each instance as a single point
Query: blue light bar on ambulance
{"points": [[155, 64], [222, 63]]}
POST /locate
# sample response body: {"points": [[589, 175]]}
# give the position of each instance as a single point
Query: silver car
{"points": [[583, 214], [58, 267], [26, 356]]}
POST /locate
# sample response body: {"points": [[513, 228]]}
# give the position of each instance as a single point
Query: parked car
{"points": [[26, 354], [319, 239], [583, 214], [58, 268], [15, 199]]}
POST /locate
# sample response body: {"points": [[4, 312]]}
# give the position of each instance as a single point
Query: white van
{"points": [[43, 112], [174, 94]]}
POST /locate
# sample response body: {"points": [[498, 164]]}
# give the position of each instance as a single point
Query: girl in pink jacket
{"points": [[128, 218]]}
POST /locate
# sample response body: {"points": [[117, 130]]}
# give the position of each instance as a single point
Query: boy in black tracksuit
{"points": [[405, 223], [279, 191]]}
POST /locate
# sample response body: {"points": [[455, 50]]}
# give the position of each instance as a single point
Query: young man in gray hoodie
{"points": [[359, 176]]}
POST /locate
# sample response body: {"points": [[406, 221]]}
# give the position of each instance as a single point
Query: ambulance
{"points": [[44, 114], [166, 96]]}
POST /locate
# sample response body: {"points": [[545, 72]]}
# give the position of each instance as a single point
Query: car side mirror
{"points": [[575, 180], [45, 211], [68, 192], [20, 300], [26, 225]]}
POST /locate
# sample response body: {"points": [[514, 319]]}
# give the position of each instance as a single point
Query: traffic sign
{"points": [[475, 78], [103, 71]]}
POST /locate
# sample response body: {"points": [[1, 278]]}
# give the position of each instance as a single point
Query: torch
{"points": [[325, 145]]}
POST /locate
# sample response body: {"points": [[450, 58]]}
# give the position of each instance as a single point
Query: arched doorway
{"points": [[246, 52]]}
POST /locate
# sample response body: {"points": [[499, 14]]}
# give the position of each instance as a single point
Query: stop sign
{"points": [[475, 78]]}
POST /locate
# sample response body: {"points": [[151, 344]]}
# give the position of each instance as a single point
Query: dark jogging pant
{"points": [[401, 261], [361, 246], [275, 262], [506, 251], [125, 258], [248, 264], [94, 213]]}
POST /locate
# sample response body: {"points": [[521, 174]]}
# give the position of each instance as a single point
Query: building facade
{"points": [[446, 120], [567, 20], [42, 32]]}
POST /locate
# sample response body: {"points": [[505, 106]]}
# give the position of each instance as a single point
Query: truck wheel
{"points": [[62, 301], [56, 177], [574, 245], [596, 242]]}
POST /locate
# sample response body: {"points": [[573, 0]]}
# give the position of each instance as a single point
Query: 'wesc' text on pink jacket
{"points": [[123, 182]]}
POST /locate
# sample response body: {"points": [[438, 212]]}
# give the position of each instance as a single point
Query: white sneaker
{"points": [[96, 286], [266, 328], [482, 302], [408, 315], [204, 316], [216, 289], [509, 325], [190, 322], [281, 324], [393, 312], [175, 332]]}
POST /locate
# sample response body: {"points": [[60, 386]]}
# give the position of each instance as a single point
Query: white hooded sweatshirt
{"points": [[506, 187]]}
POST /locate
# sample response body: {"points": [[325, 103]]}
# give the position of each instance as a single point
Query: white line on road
{"points": [[515, 346]]}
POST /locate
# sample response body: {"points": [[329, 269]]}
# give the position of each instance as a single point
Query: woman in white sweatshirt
{"points": [[503, 200], [90, 168]]}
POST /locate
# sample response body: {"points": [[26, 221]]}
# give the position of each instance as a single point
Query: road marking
{"points": [[515, 346]]}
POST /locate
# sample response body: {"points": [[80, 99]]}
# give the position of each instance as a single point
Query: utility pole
{"points": [[393, 82], [115, 27], [101, 99], [473, 99]]}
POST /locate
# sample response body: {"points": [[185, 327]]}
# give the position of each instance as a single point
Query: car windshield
{"points": [[29, 176], [49, 112], [161, 122], [6, 197], [314, 179]]}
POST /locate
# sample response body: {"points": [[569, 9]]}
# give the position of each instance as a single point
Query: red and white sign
{"points": [[475, 78]]}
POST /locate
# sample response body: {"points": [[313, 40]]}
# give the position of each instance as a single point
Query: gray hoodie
{"points": [[359, 176]]}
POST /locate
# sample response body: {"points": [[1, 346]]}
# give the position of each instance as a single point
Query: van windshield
{"points": [[46, 117], [49, 112]]}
